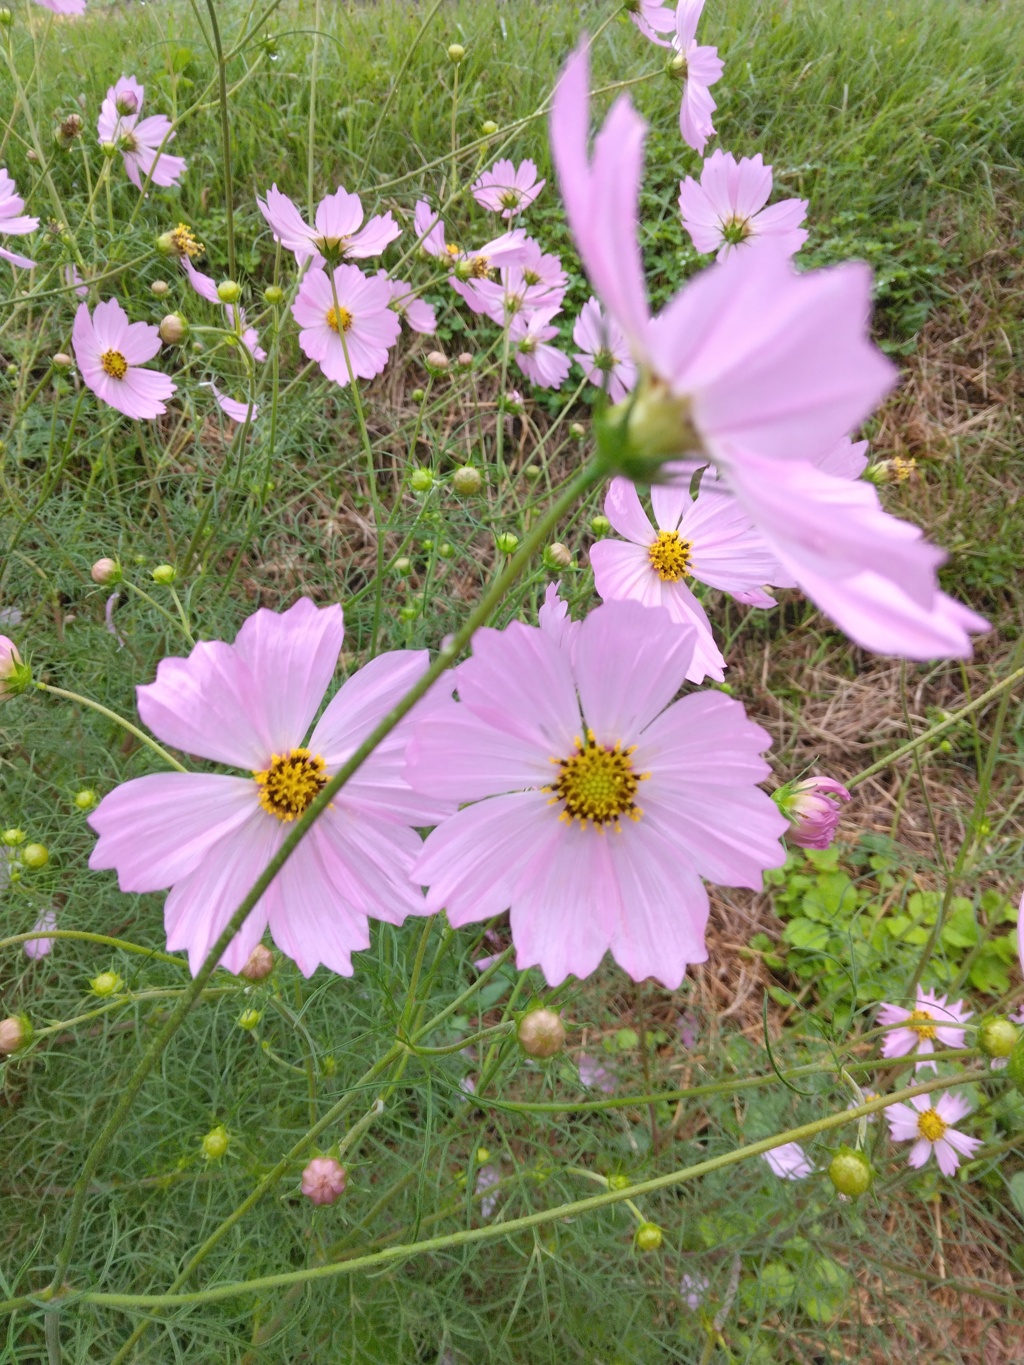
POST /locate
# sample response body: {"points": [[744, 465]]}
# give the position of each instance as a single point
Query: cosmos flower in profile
{"points": [[111, 353], [13, 221], [698, 68], [208, 836]]}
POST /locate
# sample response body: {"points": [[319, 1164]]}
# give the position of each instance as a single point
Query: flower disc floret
{"points": [[670, 556], [339, 319], [291, 783], [114, 364], [921, 1021], [597, 784], [931, 1126]]}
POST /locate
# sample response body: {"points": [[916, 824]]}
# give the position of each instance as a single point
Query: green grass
{"points": [[904, 127]]}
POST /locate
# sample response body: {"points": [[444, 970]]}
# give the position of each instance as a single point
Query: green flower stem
{"points": [[505, 1029], [225, 129], [937, 730], [129, 998], [105, 939], [578, 487], [491, 1232], [112, 715], [140, 592]]}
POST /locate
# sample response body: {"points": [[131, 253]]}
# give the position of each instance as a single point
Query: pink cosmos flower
{"points": [[595, 1076], [235, 313], [708, 538], [231, 407], [789, 1162], [932, 1017], [930, 1128], [323, 1180], [208, 836], [508, 188], [761, 372], [698, 68], [693, 1289], [592, 804], [356, 308], [529, 337], [140, 141], [417, 315], [110, 352], [726, 208], [36, 948], [12, 220], [63, 6], [507, 249], [652, 18], [814, 813], [12, 668], [74, 281], [603, 355], [537, 282], [337, 233]]}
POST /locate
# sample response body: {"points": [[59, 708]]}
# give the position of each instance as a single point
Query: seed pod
{"points": [[850, 1172]]}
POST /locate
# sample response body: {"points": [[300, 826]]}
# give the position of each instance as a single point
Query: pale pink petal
{"points": [[310, 919], [624, 510], [919, 1153], [534, 698], [661, 931], [456, 755]]}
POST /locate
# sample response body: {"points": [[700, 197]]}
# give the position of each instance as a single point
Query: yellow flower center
{"points": [[902, 468], [480, 267], [916, 1021], [185, 242], [453, 249], [339, 319], [930, 1126], [670, 556], [114, 363], [291, 782], [597, 783]]}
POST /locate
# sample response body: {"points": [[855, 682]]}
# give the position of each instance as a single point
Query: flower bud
{"points": [[105, 571], [228, 291], [323, 1180], [577, 431], [541, 1033], [127, 103], [160, 288], [259, 965], [456, 53], [274, 295], [489, 128], [68, 130], [15, 1031], [998, 1037], [106, 984], [850, 1172], [13, 837], [618, 1182], [600, 525], [558, 556], [409, 612], [173, 329], [421, 480], [467, 480], [60, 360], [35, 856], [464, 360], [215, 1143], [1015, 1065], [417, 395], [532, 473], [445, 550], [85, 799], [248, 1019], [811, 810], [109, 150], [15, 676], [483, 1155], [165, 574], [507, 542], [436, 362], [6, 17], [649, 1237], [403, 566], [513, 403]]}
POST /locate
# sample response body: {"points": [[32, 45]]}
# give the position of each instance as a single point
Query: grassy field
{"points": [[903, 125]]}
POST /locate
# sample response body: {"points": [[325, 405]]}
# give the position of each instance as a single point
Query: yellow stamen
{"points": [[925, 1030], [670, 556], [598, 784], [339, 319], [291, 782], [931, 1126], [114, 363], [185, 243]]}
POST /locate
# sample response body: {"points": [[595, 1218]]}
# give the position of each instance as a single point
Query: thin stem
{"points": [[120, 720], [225, 132]]}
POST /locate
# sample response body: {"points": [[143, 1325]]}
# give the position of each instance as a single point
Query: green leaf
{"points": [[805, 934], [778, 1281], [990, 975], [823, 1290], [832, 895], [1017, 1191]]}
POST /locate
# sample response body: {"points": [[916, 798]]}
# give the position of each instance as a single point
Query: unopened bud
{"points": [[60, 360], [228, 291], [403, 566], [507, 542], [618, 1182], [489, 128], [259, 965], [456, 53], [105, 571], [421, 480], [600, 525], [273, 295], [436, 361], [577, 431], [215, 1143], [850, 1172], [445, 550], [467, 480], [13, 837], [464, 360], [35, 856], [409, 613], [15, 675], [109, 150], [248, 1019], [127, 103], [160, 288], [173, 329], [998, 1037], [541, 1033], [513, 403], [417, 395], [6, 18], [165, 574], [532, 472], [323, 1180], [15, 1032], [649, 1237], [106, 984], [558, 556], [85, 799]]}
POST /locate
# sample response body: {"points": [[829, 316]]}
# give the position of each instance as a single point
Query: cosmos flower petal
{"points": [[663, 933]]}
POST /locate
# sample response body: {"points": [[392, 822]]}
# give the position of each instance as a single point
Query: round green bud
{"points": [[248, 1019], [427, 544], [13, 837], [507, 542], [229, 291], [618, 1182], [467, 480], [109, 150], [850, 1172], [403, 566], [541, 1033], [558, 556], [577, 431], [600, 525], [215, 1143], [35, 856], [532, 472], [488, 128], [456, 53], [165, 574], [1015, 1065], [417, 395], [998, 1037], [273, 295], [483, 1155], [649, 1237], [198, 348], [408, 613], [945, 747], [445, 550], [85, 799], [106, 984], [160, 288], [421, 480], [6, 18]]}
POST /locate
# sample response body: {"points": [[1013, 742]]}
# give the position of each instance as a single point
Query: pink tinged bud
{"points": [[13, 1035], [812, 807], [105, 571], [127, 103], [15, 676], [259, 965], [323, 1180]]}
